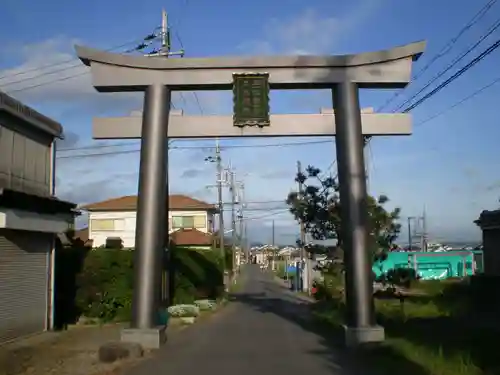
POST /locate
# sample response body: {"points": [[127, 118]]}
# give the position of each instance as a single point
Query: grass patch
{"points": [[425, 335]]}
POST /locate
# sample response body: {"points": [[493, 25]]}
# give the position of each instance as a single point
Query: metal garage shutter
{"points": [[23, 282]]}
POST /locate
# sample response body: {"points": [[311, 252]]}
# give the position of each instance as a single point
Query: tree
{"points": [[319, 208]]}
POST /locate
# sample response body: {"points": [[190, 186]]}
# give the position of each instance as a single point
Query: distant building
{"points": [[190, 221]]}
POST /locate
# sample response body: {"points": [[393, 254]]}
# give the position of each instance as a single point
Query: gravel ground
{"points": [[71, 352]]}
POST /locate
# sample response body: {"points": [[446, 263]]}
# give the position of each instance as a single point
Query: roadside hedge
{"points": [[105, 282]]}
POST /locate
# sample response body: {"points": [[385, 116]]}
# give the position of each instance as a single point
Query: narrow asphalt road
{"points": [[264, 332]]}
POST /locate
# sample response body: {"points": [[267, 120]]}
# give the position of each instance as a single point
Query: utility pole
{"points": [[417, 230], [303, 257], [242, 225], [424, 230], [165, 32], [274, 247], [166, 41], [410, 239], [367, 165], [219, 196], [273, 234], [247, 243], [240, 230], [218, 162], [232, 188]]}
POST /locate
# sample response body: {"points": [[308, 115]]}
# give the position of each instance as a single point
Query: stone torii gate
{"points": [[157, 77]]}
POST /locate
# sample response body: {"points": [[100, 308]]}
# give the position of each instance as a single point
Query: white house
{"points": [[190, 221]]}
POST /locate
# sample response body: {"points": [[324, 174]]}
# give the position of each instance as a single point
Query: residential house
{"points": [[30, 219], [190, 221]]}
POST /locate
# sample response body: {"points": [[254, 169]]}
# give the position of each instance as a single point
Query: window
{"points": [[106, 224], [200, 222], [182, 222], [188, 222]]}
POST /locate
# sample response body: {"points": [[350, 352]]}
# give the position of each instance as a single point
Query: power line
{"points": [[198, 102], [261, 209], [460, 102], [22, 89], [77, 65], [266, 215], [328, 170], [492, 29], [93, 147], [59, 63], [215, 205], [486, 52], [46, 83], [446, 48], [178, 37], [477, 59], [269, 201], [119, 152]]}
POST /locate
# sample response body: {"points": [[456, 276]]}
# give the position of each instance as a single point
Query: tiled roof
{"points": [[182, 237], [186, 237], [129, 203]]}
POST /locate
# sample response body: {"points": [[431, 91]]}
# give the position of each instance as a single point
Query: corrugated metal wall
{"points": [[23, 282], [25, 160]]}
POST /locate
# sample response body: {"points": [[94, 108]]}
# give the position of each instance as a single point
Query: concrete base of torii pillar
{"points": [[357, 336]]}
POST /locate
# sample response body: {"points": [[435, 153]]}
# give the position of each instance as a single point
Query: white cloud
{"points": [[310, 32], [50, 73], [51, 61]]}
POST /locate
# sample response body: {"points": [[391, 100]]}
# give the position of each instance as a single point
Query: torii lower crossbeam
{"points": [[297, 125]]}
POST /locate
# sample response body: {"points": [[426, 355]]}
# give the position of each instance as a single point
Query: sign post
{"points": [[251, 99]]}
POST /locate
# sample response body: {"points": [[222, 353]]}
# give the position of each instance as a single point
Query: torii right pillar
{"points": [[360, 325]]}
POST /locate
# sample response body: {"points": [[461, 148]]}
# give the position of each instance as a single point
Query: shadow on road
{"points": [[277, 299]]}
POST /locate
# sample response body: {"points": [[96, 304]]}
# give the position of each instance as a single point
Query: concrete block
{"points": [[113, 351], [357, 336], [148, 338]]}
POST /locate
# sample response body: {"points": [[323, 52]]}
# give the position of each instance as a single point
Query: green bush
{"points": [[198, 275], [476, 294], [68, 264], [402, 277], [105, 283], [228, 258]]}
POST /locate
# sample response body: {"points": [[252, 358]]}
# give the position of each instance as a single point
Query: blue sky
{"points": [[447, 165]]}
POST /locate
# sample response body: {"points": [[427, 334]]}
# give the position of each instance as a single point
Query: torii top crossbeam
{"points": [[382, 69]]}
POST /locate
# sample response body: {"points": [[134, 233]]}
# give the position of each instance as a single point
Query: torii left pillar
{"points": [[151, 222]]}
